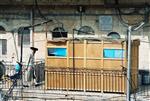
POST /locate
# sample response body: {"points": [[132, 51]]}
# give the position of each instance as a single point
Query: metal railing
{"points": [[39, 72], [87, 80], [144, 83], [79, 80]]}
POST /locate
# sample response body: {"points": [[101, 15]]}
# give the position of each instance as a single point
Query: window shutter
{"points": [[4, 46]]}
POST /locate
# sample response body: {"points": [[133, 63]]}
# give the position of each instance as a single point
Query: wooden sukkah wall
{"points": [[83, 65]]}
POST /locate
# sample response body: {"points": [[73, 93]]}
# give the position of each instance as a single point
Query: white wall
{"points": [[144, 52]]}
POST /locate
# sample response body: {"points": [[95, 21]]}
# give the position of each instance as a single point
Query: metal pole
{"points": [[129, 64], [21, 56], [1, 95], [21, 47], [32, 28]]}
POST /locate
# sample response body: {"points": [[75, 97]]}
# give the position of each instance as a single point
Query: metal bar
{"points": [[21, 57], [21, 49], [129, 64], [32, 23], [1, 95]]}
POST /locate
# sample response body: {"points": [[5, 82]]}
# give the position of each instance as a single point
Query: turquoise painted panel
{"points": [[113, 53], [60, 52]]}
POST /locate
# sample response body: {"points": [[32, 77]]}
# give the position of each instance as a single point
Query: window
{"points": [[113, 53], [59, 52], [114, 35], [59, 32], [105, 23], [2, 30], [26, 36], [3, 46], [85, 30]]}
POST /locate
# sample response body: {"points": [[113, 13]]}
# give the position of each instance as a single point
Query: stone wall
{"points": [[70, 18]]}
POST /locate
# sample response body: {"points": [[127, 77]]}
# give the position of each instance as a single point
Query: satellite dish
{"points": [[114, 35]]}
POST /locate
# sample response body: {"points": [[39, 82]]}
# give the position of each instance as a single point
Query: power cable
{"points": [[45, 18], [39, 11], [126, 23]]}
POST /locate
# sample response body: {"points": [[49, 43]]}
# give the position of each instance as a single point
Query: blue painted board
{"points": [[113, 53], [60, 52]]}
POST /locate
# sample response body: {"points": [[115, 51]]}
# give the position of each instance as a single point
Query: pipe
{"points": [[141, 24], [129, 64], [129, 84], [32, 23]]}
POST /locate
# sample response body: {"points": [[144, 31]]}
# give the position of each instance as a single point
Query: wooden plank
{"points": [[94, 64], [125, 54], [46, 75], [112, 64], [85, 62], [46, 53], [102, 72], [85, 53], [67, 54], [56, 62], [54, 43], [112, 46], [78, 63], [46, 81], [93, 50], [79, 78], [56, 46], [78, 50]]}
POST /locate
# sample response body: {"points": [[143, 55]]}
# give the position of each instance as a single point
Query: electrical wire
{"points": [[125, 23], [39, 11], [45, 18]]}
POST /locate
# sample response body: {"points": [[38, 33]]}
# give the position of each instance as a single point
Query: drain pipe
{"points": [[129, 64]]}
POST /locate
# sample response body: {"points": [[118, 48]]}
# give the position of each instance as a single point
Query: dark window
{"points": [[3, 46], [26, 36], [114, 35], [2, 30], [59, 32], [86, 30]]}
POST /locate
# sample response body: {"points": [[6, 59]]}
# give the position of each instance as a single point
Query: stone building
{"points": [[98, 17]]}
